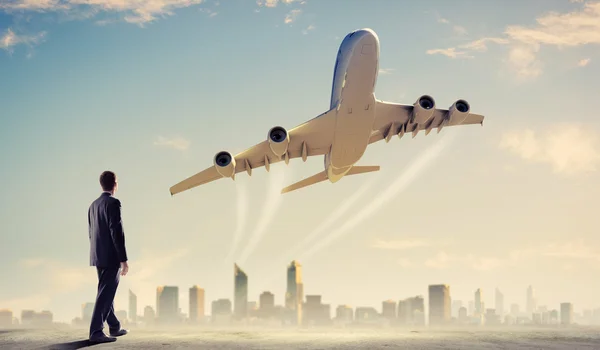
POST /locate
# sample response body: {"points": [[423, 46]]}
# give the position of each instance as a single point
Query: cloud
{"points": [[273, 3], [574, 253], [460, 30], [209, 12], [465, 50], [404, 263], [308, 29], [570, 149], [584, 62], [10, 39], [399, 244], [177, 143], [385, 71], [576, 28], [451, 52], [292, 16], [135, 11], [64, 277], [444, 260]]}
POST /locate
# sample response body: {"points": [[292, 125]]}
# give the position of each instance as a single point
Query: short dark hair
{"points": [[108, 180]]}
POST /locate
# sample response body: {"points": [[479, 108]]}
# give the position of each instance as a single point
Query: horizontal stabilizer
{"points": [[362, 169], [320, 177]]}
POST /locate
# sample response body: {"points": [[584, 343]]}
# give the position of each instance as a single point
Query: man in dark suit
{"points": [[108, 254]]}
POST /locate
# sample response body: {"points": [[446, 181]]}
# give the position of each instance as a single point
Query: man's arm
{"points": [[89, 224], [116, 229]]}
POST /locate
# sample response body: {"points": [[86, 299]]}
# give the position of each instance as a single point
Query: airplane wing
{"points": [[394, 119], [312, 138]]}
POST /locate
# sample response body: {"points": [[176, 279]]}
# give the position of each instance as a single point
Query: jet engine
{"points": [[279, 140], [458, 112], [225, 164], [423, 109]]}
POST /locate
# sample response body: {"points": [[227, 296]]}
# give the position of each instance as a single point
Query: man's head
{"points": [[108, 181]]}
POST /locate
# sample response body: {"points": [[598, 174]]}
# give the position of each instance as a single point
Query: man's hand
{"points": [[124, 268]]}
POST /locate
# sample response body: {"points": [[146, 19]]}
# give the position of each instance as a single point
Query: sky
{"points": [[154, 89]]}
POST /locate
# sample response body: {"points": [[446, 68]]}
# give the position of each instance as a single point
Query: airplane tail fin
{"points": [[322, 176]]}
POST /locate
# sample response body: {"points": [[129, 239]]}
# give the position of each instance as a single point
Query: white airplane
{"points": [[355, 120]]}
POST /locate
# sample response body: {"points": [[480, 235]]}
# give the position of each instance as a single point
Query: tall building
{"points": [[344, 313], [132, 307], [149, 315], [266, 305], [412, 311], [240, 301], [478, 302], [196, 304], [531, 301], [315, 312], [514, 310], [294, 294], [167, 304], [366, 314], [439, 304], [30, 317], [121, 315], [221, 311], [456, 305], [87, 310], [499, 303], [566, 313], [388, 309], [6, 318]]}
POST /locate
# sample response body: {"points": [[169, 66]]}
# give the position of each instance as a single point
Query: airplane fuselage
{"points": [[352, 95]]}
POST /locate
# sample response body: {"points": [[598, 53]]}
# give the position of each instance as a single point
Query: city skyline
{"points": [[153, 93], [298, 309]]}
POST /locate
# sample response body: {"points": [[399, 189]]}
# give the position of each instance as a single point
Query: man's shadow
{"points": [[71, 345]]}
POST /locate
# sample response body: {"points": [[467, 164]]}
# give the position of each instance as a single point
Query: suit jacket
{"points": [[107, 239]]}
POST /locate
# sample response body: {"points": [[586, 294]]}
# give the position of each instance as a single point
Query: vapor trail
{"points": [[341, 210], [388, 193], [242, 209], [274, 197], [331, 219]]}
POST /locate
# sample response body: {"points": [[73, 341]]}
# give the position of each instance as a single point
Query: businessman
{"points": [[108, 255]]}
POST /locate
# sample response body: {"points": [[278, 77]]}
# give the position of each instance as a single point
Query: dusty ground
{"points": [[310, 339]]}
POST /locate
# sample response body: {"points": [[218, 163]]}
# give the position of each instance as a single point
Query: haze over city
{"points": [[153, 91]]}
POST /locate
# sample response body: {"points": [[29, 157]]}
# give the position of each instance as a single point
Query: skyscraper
{"points": [[499, 303], [196, 304], [478, 303], [439, 304], [388, 309], [6, 318], [132, 307], [240, 301], [530, 306], [294, 295], [456, 305], [149, 315], [86, 312], [566, 313], [266, 305], [167, 304]]}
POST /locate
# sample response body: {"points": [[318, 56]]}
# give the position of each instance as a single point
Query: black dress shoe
{"points": [[101, 339], [119, 333]]}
